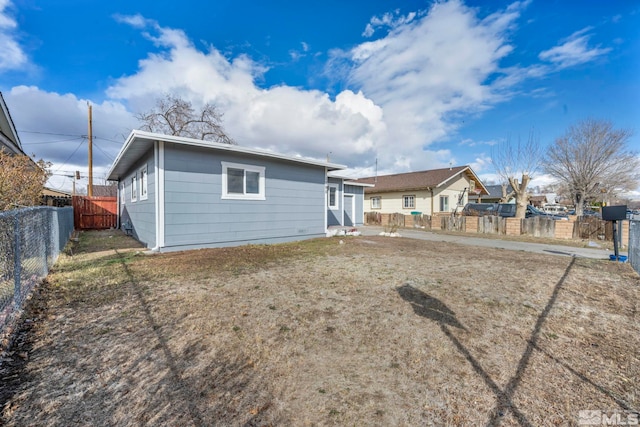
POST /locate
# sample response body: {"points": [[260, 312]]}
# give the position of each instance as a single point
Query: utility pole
{"points": [[90, 188]]}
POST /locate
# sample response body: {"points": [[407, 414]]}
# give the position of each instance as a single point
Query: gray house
{"points": [[347, 208], [9, 141], [178, 193]]}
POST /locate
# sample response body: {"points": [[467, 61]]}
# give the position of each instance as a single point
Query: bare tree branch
{"points": [[176, 116], [592, 159], [521, 159]]}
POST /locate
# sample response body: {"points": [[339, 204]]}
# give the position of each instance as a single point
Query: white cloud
{"points": [[481, 163], [473, 143], [421, 86], [406, 91], [136, 21], [282, 118], [387, 20], [12, 56], [67, 116], [573, 50]]}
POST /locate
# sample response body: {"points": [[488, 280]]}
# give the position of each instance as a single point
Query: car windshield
{"points": [[535, 211]]}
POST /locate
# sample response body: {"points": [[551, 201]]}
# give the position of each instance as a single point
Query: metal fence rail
{"points": [[634, 245], [30, 241]]}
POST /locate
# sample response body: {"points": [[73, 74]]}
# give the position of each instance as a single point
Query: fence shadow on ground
{"points": [[431, 308], [229, 375]]}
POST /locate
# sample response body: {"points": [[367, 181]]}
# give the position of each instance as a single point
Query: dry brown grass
{"points": [[375, 331]]}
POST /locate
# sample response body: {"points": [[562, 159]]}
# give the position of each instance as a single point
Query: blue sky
{"points": [[414, 84]]}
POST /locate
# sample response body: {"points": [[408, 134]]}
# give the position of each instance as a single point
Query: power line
{"points": [[51, 142], [107, 139], [66, 134], [104, 152], [71, 155], [50, 133]]}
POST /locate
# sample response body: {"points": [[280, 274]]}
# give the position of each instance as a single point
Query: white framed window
{"points": [[134, 187], [376, 203], [472, 185], [143, 183], [242, 182], [122, 192], [332, 196], [444, 203], [409, 202]]}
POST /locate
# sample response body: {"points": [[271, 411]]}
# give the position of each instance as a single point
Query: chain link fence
{"points": [[634, 244], [30, 241]]}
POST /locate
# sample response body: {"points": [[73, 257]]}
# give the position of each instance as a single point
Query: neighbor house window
{"points": [[409, 202], [143, 183], [472, 185], [332, 197], [444, 203], [375, 203], [134, 187], [244, 182]]}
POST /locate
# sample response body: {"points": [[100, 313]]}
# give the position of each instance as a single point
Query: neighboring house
{"points": [[427, 192], [494, 196], [105, 191], [538, 201], [8, 135], [178, 193], [51, 197]]}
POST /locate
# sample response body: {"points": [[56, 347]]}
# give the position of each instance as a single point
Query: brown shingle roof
{"points": [[416, 180], [105, 191]]}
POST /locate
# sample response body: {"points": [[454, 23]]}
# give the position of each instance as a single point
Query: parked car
{"points": [[586, 212], [553, 208], [479, 209], [508, 210]]}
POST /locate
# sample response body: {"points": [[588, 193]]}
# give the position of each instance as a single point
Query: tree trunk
{"points": [[522, 197], [579, 204]]}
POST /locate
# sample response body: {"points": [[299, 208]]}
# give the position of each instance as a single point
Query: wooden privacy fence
{"points": [[593, 229], [585, 228], [95, 213]]}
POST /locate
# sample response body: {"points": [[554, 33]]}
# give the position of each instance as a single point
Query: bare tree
{"points": [[506, 195], [512, 160], [592, 159], [175, 116], [21, 180]]}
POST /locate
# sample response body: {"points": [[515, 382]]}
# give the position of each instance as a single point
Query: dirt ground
{"points": [[337, 331]]}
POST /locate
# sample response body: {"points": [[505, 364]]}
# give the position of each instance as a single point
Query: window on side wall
{"points": [[444, 203], [332, 197], [242, 182], [376, 203], [134, 187], [143, 183], [122, 193], [409, 202]]}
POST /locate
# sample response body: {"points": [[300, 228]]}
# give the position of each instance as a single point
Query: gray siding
{"points": [[197, 216], [334, 216], [358, 198], [141, 213]]}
